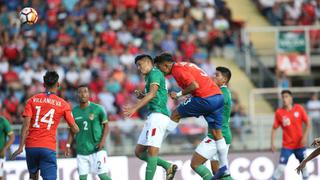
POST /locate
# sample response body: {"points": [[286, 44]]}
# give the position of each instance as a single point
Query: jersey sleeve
{"points": [[183, 76], [7, 128], [103, 115], [155, 78], [27, 109], [68, 115], [277, 121]]}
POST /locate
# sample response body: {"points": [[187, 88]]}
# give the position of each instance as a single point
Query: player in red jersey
{"points": [[42, 115], [207, 100], [290, 118]]}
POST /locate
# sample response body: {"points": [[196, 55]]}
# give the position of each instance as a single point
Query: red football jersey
{"points": [[46, 111], [185, 73], [291, 123]]}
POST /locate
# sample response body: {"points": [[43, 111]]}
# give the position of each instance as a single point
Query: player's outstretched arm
{"points": [[130, 110], [24, 131], [302, 165]]}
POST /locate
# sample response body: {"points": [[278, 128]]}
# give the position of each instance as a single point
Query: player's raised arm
{"points": [[24, 132]]}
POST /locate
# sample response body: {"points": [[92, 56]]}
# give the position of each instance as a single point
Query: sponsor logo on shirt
{"points": [[285, 121], [296, 114], [91, 116]]}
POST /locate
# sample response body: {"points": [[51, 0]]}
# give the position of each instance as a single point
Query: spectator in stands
{"points": [[313, 109], [283, 81]]}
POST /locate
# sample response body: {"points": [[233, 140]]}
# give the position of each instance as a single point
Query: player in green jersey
{"points": [[5, 131], [93, 124], [158, 122], [206, 149]]}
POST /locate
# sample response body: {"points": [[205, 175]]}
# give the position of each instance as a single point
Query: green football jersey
{"points": [[159, 102], [226, 131], [90, 121], [5, 130]]}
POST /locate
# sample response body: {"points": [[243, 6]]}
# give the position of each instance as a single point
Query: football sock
{"points": [[305, 174], [222, 153], [104, 176], [83, 177], [160, 162], [151, 167], [204, 172], [278, 172], [163, 163]]}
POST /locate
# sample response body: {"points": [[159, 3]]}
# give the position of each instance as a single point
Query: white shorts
{"points": [[2, 160], [94, 163], [208, 149], [154, 130]]}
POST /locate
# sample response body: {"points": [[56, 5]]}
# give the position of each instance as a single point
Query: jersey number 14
{"points": [[47, 118]]}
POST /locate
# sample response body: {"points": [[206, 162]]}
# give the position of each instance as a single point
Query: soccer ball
{"points": [[28, 15]]}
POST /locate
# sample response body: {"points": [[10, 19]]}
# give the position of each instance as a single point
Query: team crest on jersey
{"points": [[91, 116], [296, 114]]}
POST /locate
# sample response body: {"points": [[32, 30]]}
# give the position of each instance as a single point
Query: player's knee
{"points": [[194, 166], [215, 166], [217, 134], [175, 116], [137, 153]]}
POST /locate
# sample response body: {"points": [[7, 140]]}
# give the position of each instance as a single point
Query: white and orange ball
{"points": [[28, 15]]}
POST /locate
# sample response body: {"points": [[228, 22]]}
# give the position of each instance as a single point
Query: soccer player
{"points": [[158, 121], [42, 115], [290, 118], [222, 78], [5, 131], [207, 100], [93, 124], [207, 149], [314, 154]]}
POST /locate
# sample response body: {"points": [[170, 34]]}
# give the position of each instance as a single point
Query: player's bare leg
{"points": [[222, 152], [197, 162], [34, 176], [175, 116]]}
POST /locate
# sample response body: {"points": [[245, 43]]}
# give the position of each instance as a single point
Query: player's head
{"points": [[287, 98], [51, 80], [83, 93], [223, 76], [144, 63], [164, 62]]}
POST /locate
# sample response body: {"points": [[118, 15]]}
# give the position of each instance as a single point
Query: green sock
{"points": [[83, 177], [104, 176], [163, 163], [160, 162], [226, 178], [204, 172], [151, 167]]}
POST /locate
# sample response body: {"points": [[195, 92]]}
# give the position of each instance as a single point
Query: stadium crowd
{"points": [[95, 42]]}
